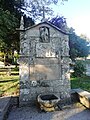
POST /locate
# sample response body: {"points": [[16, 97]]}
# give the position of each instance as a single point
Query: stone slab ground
{"points": [[71, 112], [74, 111], [4, 106]]}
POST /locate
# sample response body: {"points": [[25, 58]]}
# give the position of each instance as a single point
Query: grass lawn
{"points": [[9, 85], [81, 82]]}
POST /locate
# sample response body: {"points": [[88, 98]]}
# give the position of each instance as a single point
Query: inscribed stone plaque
{"points": [[44, 70]]}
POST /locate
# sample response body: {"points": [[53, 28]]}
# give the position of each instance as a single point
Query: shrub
{"points": [[79, 69]]}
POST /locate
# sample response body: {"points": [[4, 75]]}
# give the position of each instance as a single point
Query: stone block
{"points": [[84, 97]]}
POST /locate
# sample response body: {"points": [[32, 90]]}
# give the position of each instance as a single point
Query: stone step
{"points": [[4, 106], [84, 97]]}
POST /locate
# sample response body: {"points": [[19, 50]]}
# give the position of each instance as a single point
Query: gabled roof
{"points": [[46, 22]]}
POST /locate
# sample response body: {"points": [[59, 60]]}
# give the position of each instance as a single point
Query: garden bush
{"points": [[79, 69]]}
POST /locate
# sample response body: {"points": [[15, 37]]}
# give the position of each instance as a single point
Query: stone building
{"points": [[44, 62]]}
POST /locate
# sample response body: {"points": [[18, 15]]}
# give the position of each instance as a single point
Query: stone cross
{"points": [[43, 13], [43, 19]]}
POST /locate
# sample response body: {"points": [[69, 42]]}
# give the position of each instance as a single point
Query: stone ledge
{"points": [[84, 97]]}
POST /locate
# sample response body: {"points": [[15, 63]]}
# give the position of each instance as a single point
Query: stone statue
{"points": [[44, 34]]}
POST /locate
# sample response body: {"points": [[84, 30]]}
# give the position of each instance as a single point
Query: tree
{"points": [[8, 23], [12, 5], [10, 13], [78, 46], [79, 69], [34, 7], [60, 22]]}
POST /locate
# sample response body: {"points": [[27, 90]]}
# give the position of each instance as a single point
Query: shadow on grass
{"points": [[4, 81], [14, 73]]}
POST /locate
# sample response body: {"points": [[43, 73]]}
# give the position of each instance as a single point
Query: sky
{"points": [[77, 14]]}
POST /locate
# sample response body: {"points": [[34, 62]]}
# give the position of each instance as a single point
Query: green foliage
{"points": [[12, 5], [8, 24], [78, 45], [1, 54], [16, 68], [79, 69], [10, 12]]}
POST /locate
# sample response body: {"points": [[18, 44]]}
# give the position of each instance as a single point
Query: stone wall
{"points": [[44, 67]]}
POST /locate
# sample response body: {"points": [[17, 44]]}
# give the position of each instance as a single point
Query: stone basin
{"points": [[48, 102]]}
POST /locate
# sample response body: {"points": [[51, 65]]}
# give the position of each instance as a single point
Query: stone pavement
{"points": [[4, 105], [70, 112], [67, 113]]}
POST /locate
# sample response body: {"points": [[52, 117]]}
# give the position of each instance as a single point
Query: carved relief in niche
{"points": [[44, 34]]}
